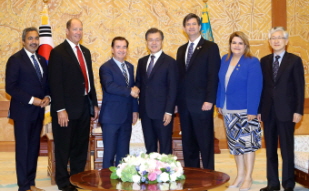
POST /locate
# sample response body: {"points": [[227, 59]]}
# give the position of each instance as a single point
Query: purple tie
{"points": [[37, 68], [150, 66], [276, 67], [189, 54]]}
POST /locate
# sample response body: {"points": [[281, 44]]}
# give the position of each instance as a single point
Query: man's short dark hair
{"points": [[120, 38], [26, 30], [154, 30], [191, 16]]}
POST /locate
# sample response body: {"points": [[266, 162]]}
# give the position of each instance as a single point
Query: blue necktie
{"points": [[189, 55], [124, 72], [276, 67], [150, 66], [37, 68]]}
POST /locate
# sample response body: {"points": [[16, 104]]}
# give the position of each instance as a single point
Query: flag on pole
{"points": [[205, 24], [46, 45], [46, 41]]}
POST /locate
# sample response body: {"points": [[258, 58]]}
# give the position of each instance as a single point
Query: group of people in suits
{"points": [[244, 90]]}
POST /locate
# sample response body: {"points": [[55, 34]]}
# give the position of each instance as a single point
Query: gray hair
{"points": [[26, 30], [279, 28]]}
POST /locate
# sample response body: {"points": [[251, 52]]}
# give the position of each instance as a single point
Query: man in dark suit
{"points": [[198, 62], [74, 102], [156, 77], [281, 106], [119, 107], [26, 83]]}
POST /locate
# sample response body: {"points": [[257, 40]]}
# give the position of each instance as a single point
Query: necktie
{"points": [[276, 67], [124, 72], [150, 66], [189, 54], [37, 68], [83, 67]]}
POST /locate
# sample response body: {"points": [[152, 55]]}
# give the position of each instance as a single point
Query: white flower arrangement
{"points": [[148, 168]]}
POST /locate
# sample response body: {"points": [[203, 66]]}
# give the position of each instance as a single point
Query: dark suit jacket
{"points": [[287, 93], [67, 82], [199, 83], [118, 104], [158, 92], [22, 83]]}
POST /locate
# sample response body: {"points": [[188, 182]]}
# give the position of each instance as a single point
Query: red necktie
{"points": [[83, 67]]}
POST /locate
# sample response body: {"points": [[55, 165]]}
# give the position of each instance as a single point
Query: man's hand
{"points": [[135, 117], [134, 92], [96, 113], [207, 106], [37, 101], [220, 110], [63, 119], [297, 117], [45, 102], [167, 118]]}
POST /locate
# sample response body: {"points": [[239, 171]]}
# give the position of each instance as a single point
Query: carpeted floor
{"points": [[224, 163]]}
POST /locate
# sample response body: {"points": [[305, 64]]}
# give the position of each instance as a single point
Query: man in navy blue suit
{"points": [[156, 77], [119, 106], [26, 83]]}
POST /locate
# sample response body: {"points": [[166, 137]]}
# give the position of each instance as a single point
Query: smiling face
{"points": [[154, 42], [31, 42], [237, 46], [75, 31], [119, 50], [278, 42], [192, 28]]}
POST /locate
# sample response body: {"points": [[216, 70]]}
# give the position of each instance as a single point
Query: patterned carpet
{"points": [[224, 163]]}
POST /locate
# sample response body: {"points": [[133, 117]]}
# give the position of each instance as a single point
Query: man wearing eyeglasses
{"points": [[156, 77], [281, 106]]}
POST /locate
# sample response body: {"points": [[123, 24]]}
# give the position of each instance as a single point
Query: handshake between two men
{"points": [[134, 92]]}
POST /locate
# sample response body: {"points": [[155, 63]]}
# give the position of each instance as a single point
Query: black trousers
{"points": [[27, 146], [197, 138], [275, 130], [154, 131], [71, 146]]}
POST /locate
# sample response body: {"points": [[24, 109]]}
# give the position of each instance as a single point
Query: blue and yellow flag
{"points": [[205, 25]]}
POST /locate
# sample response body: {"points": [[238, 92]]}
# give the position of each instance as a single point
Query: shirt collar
{"points": [[29, 53], [72, 44], [157, 54], [196, 40]]}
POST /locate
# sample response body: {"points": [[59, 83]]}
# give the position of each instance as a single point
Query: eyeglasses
{"points": [[277, 38]]}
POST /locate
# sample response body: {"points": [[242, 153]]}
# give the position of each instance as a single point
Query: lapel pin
{"points": [[199, 47]]}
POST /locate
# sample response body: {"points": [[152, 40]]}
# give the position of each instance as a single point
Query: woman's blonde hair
{"points": [[244, 38]]}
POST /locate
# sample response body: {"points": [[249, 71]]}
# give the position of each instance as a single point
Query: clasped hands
{"points": [[134, 92], [41, 102]]}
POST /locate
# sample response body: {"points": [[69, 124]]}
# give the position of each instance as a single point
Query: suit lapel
{"points": [[118, 70], [157, 65], [183, 54], [143, 68], [29, 63], [69, 50], [198, 48], [269, 68], [283, 65]]}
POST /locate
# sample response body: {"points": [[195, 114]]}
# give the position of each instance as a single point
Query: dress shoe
{"points": [[269, 188], [69, 188], [288, 189], [33, 188]]}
